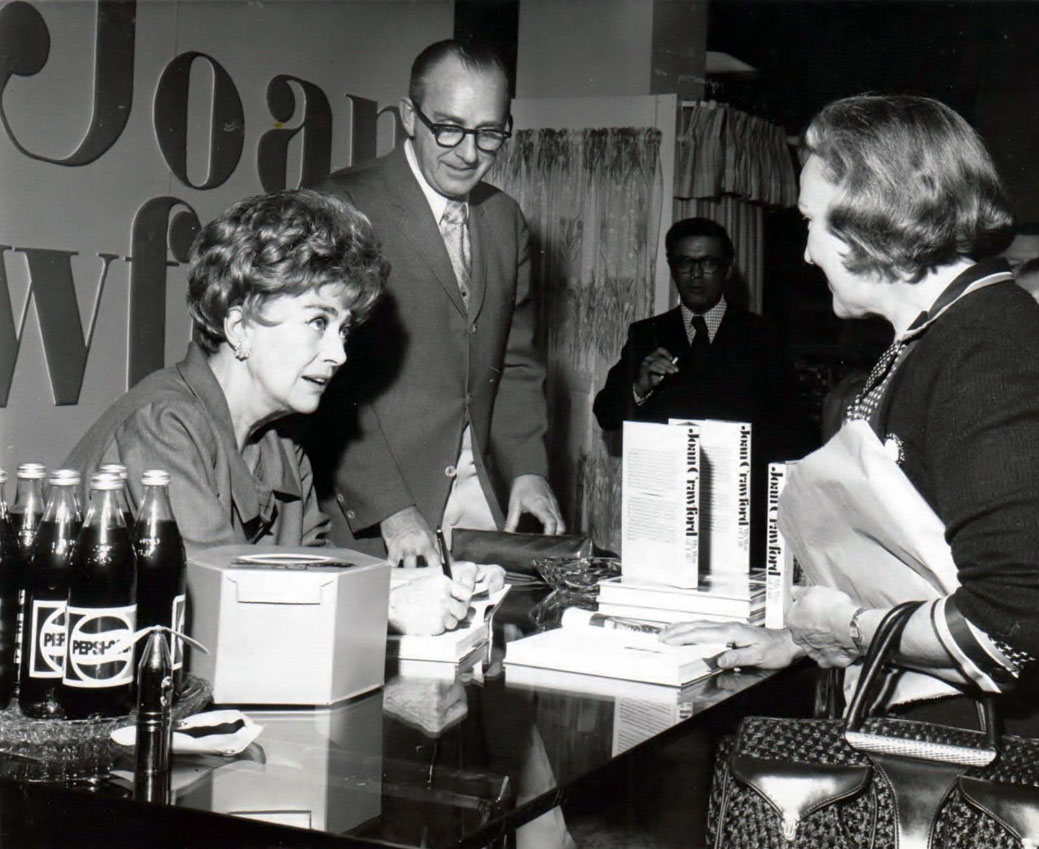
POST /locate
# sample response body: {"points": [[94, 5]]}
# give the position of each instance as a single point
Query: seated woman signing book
{"points": [[274, 286]]}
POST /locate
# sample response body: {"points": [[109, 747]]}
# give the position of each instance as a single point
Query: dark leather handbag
{"points": [[874, 781], [516, 553]]}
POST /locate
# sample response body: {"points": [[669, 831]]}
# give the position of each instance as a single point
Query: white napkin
{"points": [[215, 732]]}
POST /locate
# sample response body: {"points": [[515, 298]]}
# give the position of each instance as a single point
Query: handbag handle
{"points": [[885, 642], [887, 637]]}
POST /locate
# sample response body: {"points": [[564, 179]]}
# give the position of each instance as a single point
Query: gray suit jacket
{"points": [[390, 427]]}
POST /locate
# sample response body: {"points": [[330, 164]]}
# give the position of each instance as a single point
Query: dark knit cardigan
{"points": [[965, 405]]}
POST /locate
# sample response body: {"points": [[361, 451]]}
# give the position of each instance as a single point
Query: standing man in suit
{"points": [[707, 359], [441, 420]]}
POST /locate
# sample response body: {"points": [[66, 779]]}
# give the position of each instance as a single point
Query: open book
{"points": [[584, 647], [453, 645]]}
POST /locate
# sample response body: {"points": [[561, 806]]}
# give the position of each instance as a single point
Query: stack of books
{"points": [[717, 598]]}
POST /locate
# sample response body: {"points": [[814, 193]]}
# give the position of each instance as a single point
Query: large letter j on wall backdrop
{"points": [[24, 50]]}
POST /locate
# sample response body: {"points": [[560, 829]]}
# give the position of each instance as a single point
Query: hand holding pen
{"points": [[445, 555], [656, 366], [478, 578]]}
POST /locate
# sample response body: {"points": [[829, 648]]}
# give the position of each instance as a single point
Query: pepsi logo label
{"points": [[99, 651]]}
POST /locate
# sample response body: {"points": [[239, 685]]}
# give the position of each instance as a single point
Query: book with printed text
{"points": [[660, 503], [779, 558], [737, 596], [667, 616], [725, 455]]}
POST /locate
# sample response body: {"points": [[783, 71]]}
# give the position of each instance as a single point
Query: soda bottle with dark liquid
{"points": [[102, 610], [26, 513], [160, 566], [46, 585], [124, 496], [10, 571]]}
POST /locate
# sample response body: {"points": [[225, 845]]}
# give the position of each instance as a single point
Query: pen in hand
{"points": [[445, 555]]}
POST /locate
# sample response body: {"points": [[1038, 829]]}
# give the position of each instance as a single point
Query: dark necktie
{"points": [[701, 343]]}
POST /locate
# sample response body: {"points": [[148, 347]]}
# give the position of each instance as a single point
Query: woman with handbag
{"points": [[905, 216]]}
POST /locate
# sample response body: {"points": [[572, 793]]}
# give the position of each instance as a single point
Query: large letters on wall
{"points": [[145, 119], [158, 239]]}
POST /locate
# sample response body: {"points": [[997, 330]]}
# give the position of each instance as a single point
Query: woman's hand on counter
{"points": [[751, 646], [819, 621], [479, 577]]}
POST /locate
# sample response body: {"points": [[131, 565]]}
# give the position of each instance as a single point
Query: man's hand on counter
{"points": [[532, 494], [408, 537]]}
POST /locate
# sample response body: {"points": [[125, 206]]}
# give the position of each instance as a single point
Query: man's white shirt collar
{"points": [[437, 202], [712, 318]]}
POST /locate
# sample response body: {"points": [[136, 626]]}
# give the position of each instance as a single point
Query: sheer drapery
{"points": [[592, 199], [729, 166]]}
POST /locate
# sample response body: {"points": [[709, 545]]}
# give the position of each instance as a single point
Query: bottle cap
{"points": [[105, 480], [32, 471], [155, 477], [114, 468], [64, 477]]}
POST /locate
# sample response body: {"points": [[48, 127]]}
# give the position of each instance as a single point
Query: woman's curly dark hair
{"points": [[285, 243]]}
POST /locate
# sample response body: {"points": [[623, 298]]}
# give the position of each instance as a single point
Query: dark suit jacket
{"points": [[743, 377], [390, 428]]}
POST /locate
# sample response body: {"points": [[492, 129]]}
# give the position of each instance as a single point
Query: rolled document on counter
{"points": [[579, 617]]}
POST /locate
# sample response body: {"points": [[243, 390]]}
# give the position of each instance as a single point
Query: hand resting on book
{"points": [[750, 645]]}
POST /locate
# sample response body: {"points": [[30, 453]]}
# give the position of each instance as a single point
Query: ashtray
{"points": [[577, 574], [75, 749]]}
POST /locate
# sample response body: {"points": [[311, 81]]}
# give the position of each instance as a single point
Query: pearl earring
{"points": [[241, 351]]}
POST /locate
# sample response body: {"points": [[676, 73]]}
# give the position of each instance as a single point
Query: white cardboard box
{"points": [[285, 625]]}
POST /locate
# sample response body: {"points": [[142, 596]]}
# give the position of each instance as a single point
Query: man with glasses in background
{"points": [[708, 359], [438, 418]]}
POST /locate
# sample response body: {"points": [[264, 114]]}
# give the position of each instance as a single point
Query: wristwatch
{"points": [[857, 638]]}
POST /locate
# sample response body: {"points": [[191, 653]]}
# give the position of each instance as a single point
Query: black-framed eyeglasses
{"points": [[703, 265], [451, 135]]}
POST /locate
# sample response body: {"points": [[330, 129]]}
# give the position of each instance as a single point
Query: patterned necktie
{"points": [[455, 230]]}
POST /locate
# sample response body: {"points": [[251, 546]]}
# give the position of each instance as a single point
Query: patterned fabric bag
{"points": [[877, 782]]}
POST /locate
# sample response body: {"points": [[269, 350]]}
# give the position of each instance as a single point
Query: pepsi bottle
{"points": [[102, 610], [124, 497], [27, 509], [46, 586], [161, 566], [26, 513], [10, 578]]}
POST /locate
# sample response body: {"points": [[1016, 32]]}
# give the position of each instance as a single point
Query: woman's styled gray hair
{"points": [[919, 189]]}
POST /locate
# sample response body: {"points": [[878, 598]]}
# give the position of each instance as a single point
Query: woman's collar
{"points": [[975, 277]]}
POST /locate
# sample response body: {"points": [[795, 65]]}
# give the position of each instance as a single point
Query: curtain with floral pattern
{"points": [[592, 199]]}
